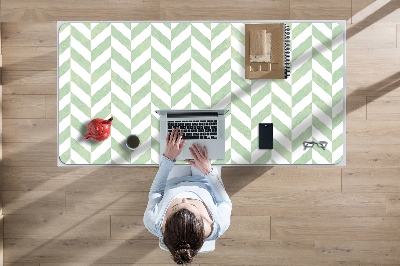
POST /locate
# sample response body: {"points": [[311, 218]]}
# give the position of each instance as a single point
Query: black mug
{"points": [[132, 142]]}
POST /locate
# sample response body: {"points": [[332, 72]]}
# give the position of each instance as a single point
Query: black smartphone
{"points": [[265, 136]]}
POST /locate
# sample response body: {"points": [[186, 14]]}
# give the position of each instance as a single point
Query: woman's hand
{"points": [[200, 161], [174, 145]]}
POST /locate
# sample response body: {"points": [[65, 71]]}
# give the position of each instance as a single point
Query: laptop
{"points": [[204, 127]]}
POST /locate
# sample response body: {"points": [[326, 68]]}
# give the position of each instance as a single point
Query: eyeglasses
{"points": [[310, 144]]}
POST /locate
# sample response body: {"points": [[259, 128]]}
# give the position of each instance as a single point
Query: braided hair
{"points": [[184, 235]]}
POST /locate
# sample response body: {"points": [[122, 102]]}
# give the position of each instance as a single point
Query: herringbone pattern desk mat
{"points": [[129, 70]]}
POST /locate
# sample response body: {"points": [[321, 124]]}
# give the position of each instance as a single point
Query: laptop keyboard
{"points": [[195, 129]]}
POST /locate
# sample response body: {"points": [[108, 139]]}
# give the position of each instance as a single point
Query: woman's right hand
{"points": [[174, 144], [200, 159]]}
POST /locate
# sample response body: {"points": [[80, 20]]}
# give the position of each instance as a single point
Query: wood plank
{"points": [[106, 203], [335, 228], [33, 202], [30, 154], [358, 6], [249, 227], [51, 226], [383, 108], [363, 252], [30, 58], [370, 264], [226, 10], [372, 72], [320, 10], [21, 264], [81, 179], [309, 204], [270, 179], [345, 263], [373, 18], [393, 204], [1, 66], [133, 179], [51, 106], [373, 132], [19, 51], [29, 130], [86, 250], [129, 227], [29, 34], [119, 10], [113, 264], [356, 108], [230, 252], [370, 12], [30, 82], [0, 37], [57, 179], [1, 238], [384, 36], [1, 155], [384, 180], [365, 155], [24, 106]]}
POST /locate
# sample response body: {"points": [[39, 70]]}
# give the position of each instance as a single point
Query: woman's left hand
{"points": [[174, 145]]}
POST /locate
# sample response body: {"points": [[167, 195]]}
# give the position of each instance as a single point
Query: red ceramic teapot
{"points": [[98, 129]]}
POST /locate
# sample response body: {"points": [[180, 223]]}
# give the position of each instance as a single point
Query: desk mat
{"points": [[129, 70]]}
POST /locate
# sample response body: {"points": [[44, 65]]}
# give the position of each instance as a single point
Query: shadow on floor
{"points": [[378, 89], [382, 12]]}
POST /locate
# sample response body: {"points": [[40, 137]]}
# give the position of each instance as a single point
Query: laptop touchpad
{"points": [[186, 152]]}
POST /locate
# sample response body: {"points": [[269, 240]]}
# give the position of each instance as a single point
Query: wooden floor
{"points": [[281, 215]]}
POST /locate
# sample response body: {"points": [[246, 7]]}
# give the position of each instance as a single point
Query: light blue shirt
{"points": [[209, 188]]}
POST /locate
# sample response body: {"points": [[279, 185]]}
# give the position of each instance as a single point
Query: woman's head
{"points": [[184, 235]]}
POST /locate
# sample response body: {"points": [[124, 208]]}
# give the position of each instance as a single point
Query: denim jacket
{"points": [[209, 188]]}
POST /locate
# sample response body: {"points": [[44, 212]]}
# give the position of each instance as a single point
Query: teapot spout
{"points": [[88, 135]]}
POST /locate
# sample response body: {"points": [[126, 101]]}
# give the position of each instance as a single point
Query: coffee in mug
{"points": [[132, 142]]}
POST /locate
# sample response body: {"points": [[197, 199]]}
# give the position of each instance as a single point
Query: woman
{"points": [[189, 204]]}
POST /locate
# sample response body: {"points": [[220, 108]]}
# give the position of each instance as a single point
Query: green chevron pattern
{"points": [[129, 70]]}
